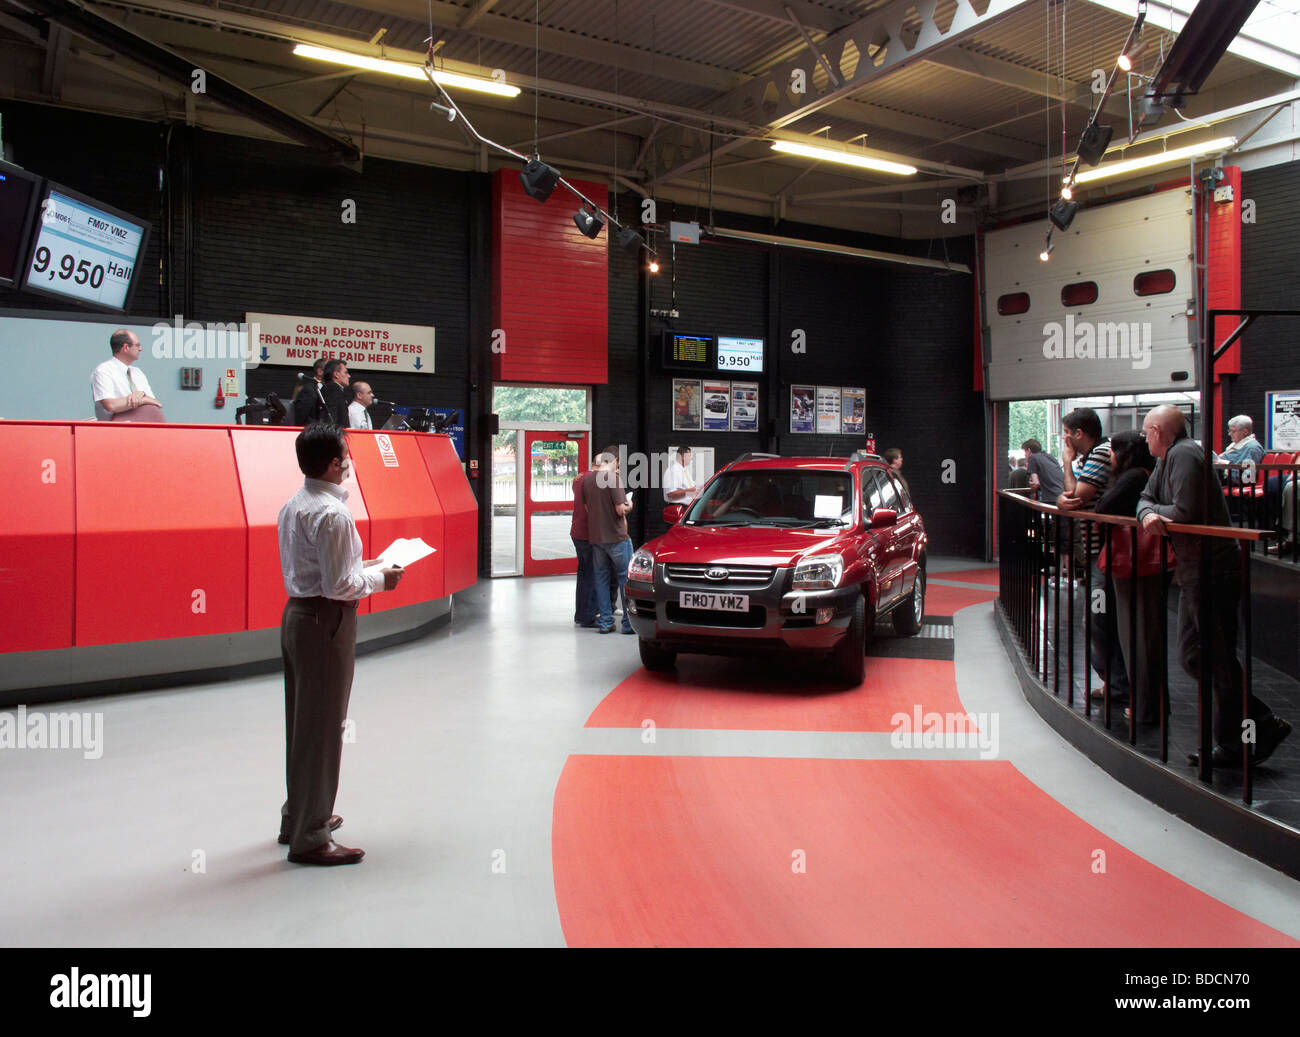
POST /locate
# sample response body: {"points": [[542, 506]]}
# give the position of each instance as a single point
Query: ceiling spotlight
{"points": [[654, 266], [1095, 141], [1067, 192], [588, 222], [1046, 254], [1062, 213], [539, 179], [630, 240], [1125, 63]]}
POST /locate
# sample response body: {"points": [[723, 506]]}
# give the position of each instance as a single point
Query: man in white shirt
{"points": [[361, 398], [115, 386], [679, 486], [324, 576]]}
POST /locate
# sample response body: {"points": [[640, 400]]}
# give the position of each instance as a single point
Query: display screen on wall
{"points": [[683, 352], [19, 191], [85, 251], [740, 354]]}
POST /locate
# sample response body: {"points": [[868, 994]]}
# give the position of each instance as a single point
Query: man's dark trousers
{"points": [[318, 641], [584, 612], [1225, 593]]}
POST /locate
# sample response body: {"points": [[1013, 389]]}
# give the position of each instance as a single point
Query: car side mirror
{"points": [[673, 512], [882, 517]]}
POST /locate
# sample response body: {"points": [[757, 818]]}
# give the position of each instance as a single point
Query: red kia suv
{"points": [[787, 554]]}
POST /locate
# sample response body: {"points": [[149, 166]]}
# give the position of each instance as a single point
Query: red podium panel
{"points": [[401, 503], [36, 540], [459, 512], [269, 476], [161, 546]]}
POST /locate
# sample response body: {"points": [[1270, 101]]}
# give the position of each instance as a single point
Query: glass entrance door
{"points": [[550, 462]]}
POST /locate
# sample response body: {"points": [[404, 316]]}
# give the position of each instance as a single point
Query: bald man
{"points": [[1176, 493]]}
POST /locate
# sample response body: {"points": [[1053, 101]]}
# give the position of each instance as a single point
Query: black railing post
{"points": [[1056, 606], [1106, 604], [1132, 637], [1164, 650], [1247, 776], [1069, 619], [1088, 613]]}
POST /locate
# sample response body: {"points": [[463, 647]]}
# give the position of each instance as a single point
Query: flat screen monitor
{"points": [[85, 251], [741, 355], [684, 352], [20, 193]]}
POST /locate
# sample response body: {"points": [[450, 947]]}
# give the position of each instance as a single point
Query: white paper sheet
{"points": [[404, 552]]}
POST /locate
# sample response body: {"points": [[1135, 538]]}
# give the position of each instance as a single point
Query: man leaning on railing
{"points": [[1176, 493]]}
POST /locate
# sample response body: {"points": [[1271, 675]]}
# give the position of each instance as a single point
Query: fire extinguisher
{"points": [[220, 401]]}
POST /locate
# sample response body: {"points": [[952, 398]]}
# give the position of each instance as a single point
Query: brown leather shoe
{"points": [[327, 854], [333, 823]]}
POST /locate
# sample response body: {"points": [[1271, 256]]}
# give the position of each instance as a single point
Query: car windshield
{"points": [[802, 499]]}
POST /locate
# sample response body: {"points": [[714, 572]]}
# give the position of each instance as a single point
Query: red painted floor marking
{"points": [[745, 694], [944, 601], [990, 576], [677, 851]]}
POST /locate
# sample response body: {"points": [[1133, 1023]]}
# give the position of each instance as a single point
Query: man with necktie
{"points": [[119, 391], [360, 397]]}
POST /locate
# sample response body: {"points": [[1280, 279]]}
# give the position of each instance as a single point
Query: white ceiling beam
{"points": [[1164, 14], [774, 10]]}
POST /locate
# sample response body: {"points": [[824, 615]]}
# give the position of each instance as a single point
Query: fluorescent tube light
{"points": [[1164, 158], [848, 158], [405, 68]]}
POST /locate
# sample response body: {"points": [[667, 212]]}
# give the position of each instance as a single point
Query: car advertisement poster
{"points": [[717, 406], [854, 416], [828, 410], [1284, 421], [802, 403], [686, 404], [744, 406]]}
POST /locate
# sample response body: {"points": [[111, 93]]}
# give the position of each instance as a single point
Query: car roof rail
{"points": [[862, 455], [754, 457]]}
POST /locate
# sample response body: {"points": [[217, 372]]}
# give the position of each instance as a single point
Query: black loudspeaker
{"points": [[539, 179], [630, 240], [1096, 139], [1062, 213], [493, 423]]}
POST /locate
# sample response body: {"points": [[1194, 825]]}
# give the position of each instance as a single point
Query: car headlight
{"points": [[820, 572], [642, 566]]}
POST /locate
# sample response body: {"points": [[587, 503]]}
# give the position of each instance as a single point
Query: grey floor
{"points": [[459, 741]]}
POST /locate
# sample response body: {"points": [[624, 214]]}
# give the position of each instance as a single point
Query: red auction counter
{"points": [[120, 533]]}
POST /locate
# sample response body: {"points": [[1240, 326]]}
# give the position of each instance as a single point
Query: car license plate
{"points": [[718, 602]]}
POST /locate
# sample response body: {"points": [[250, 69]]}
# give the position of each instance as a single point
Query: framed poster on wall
{"points": [[1283, 420], [717, 406], [853, 414], [686, 404], [828, 410], [744, 406], [803, 403]]}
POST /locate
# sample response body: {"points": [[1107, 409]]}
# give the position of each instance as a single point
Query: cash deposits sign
{"points": [[299, 341]]}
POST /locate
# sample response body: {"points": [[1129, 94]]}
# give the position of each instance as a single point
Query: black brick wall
{"points": [[1270, 280]]}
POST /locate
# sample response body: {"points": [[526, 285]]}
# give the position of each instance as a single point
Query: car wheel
{"points": [[655, 658], [848, 657], [909, 613]]}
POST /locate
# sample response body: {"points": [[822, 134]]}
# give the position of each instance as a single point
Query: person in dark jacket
{"points": [[1176, 493], [1136, 589]]}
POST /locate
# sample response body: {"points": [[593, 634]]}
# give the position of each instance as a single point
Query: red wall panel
{"points": [[37, 548], [550, 286], [459, 510], [401, 503], [159, 518]]}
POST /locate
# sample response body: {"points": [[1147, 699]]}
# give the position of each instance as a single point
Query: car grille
{"points": [[754, 619], [742, 577]]}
